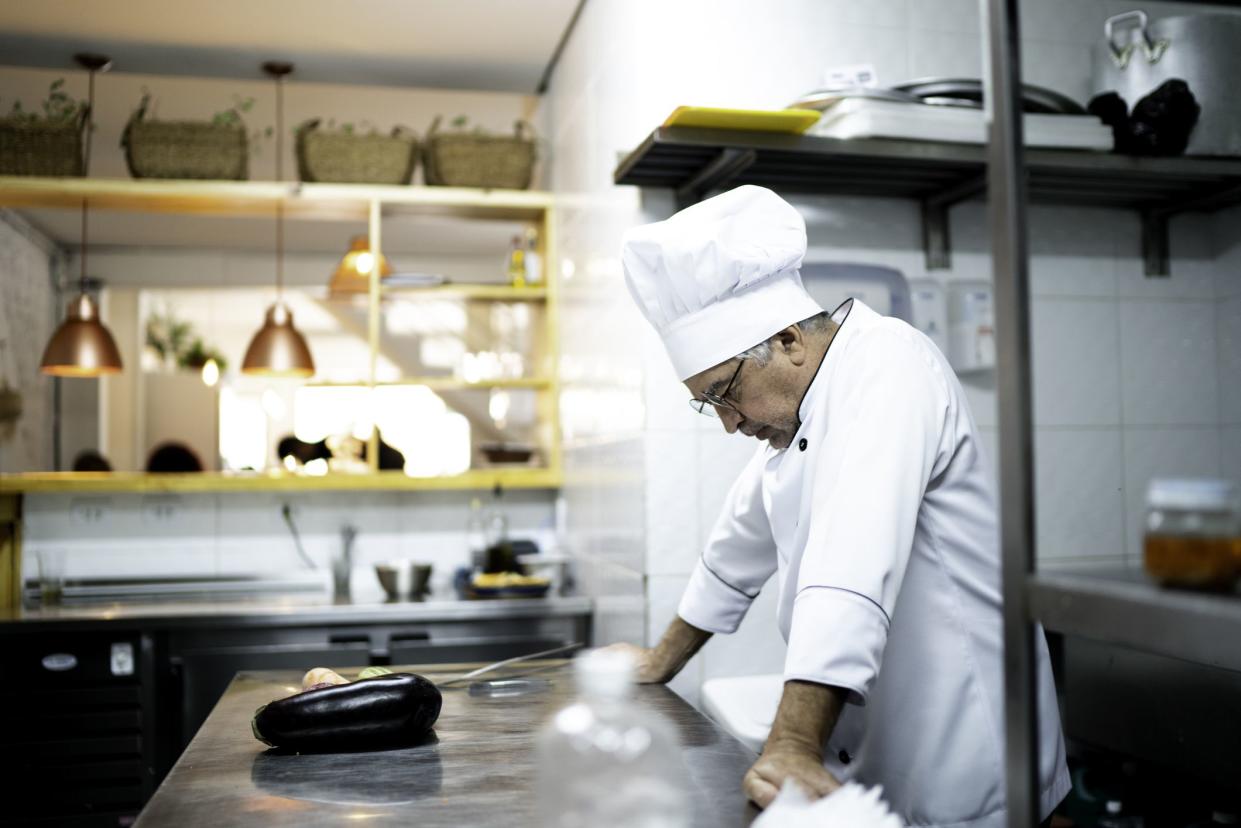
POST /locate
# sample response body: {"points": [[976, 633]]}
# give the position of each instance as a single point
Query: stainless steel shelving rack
{"points": [[1127, 612], [695, 162]]}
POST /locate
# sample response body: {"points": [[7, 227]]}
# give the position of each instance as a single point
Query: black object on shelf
{"points": [[1159, 125], [695, 162]]}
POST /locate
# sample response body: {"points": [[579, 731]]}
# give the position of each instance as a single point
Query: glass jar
{"points": [[1193, 533]]}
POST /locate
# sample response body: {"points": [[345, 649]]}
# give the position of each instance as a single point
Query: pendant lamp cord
{"points": [[280, 177], [90, 133], [82, 252]]}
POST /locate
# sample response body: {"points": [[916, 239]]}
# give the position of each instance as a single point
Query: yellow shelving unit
{"points": [[514, 477], [337, 201], [452, 384]]}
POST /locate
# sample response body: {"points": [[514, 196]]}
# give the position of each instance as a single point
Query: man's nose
{"points": [[731, 420]]}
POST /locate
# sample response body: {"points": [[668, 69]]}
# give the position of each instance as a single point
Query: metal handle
{"points": [[1152, 49]]}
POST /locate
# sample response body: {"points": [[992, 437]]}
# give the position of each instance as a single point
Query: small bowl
{"points": [[390, 580]]}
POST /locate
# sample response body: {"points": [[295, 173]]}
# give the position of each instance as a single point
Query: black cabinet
{"points": [[79, 728]]}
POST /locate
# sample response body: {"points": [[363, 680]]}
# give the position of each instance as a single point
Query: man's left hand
{"points": [[780, 763]]}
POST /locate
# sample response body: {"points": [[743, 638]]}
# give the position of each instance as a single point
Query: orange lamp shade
{"points": [[353, 274], [81, 346], [278, 349]]}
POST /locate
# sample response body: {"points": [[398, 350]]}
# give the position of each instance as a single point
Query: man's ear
{"points": [[792, 342]]}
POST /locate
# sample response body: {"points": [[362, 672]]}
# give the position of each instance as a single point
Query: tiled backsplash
{"points": [[157, 535]]}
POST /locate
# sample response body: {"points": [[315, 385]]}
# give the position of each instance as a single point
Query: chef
{"points": [[869, 499]]}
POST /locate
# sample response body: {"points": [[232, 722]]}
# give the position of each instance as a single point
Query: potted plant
{"points": [[44, 142], [331, 154], [464, 157], [215, 149]]}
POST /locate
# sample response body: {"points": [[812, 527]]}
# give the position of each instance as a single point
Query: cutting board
{"points": [[753, 120]]}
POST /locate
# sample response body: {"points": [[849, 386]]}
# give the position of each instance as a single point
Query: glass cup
{"points": [[51, 575]]}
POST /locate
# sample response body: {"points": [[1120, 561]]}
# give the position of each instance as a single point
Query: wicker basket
{"points": [[339, 157], [463, 159], [184, 149], [42, 148]]}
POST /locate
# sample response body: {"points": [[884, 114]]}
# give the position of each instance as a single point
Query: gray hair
{"points": [[811, 325]]}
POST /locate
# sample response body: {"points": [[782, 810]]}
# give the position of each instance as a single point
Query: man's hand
{"points": [[647, 668], [661, 663], [794, 748], [781, 763]]}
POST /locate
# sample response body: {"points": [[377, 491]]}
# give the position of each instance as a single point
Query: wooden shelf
{"points": [[339, 201], [121, 482], [447, 383]]}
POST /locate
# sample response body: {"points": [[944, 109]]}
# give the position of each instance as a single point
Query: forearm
{"points": [[806, 716], [677, 646]]}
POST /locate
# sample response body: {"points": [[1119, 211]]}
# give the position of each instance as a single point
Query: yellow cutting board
{"points": [[753, 120]]}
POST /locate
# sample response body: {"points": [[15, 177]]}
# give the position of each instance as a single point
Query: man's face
{"points": [[762, 400]]}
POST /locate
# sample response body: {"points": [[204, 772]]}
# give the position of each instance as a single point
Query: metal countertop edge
{"points": [[225, 615]]}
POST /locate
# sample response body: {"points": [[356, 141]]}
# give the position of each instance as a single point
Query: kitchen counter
{"points": [[478, 769], [284, 611]]}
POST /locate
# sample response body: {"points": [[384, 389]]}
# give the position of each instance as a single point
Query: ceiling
{"points": [[495, 45]]}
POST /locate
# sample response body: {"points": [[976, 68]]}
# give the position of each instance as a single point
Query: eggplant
{"points": [[384, 711]]}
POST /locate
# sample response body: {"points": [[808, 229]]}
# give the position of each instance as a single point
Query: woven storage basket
{"points": [[338, 157], [184, 149], [462, 159], [42, 148]]}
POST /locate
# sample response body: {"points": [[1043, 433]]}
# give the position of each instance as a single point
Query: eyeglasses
{"points": [[709, 403]]}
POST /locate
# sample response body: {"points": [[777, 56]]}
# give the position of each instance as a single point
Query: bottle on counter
{"points": [[532, 260], [517, 262], [606, 760], [476, 535]]}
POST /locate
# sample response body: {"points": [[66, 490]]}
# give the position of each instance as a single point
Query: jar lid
{"points": [[1190, 493]]}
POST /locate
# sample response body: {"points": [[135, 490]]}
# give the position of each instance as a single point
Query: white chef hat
{"points": [[719, 277]]}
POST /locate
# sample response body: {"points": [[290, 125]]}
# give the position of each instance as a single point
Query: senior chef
{"points": [[871, 503]]}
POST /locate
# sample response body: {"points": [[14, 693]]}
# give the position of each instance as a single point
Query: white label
{"points": [[122, 659], [853, 74], [60, 662]]}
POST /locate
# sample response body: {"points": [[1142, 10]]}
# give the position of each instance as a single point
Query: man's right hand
{"points": [[661, 663], [647, 668]]}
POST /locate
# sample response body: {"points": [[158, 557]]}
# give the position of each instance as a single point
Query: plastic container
{"points": [[1193, 533], [606, 761]]}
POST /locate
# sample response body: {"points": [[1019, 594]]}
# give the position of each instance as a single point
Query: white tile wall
{"points": [[157, 535], [1228, 320], [1075, 349], [955, 54], [1169, 374], [1230, 452], [671, 501], [1079, 479]]}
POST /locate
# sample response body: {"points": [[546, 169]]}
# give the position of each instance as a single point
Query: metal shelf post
{"points": [[1010, 261]]}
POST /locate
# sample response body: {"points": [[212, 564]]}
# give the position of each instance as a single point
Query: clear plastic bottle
{"points": [[476, 535], [605, 761]]}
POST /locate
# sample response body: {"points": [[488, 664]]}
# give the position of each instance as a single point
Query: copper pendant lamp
{"points": [[81, 346], [353, 274], [278, 349]]}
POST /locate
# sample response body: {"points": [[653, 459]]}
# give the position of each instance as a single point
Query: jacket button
{"points": [[844, 757], [802, 444]]}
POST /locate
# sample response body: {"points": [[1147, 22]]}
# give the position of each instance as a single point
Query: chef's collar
{"points": [[846, 309]]}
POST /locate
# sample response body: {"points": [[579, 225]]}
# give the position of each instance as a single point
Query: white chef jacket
{"points": [[879, 521]]}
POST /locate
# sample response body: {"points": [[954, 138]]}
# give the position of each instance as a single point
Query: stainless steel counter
{"points": [[297, 610], [478, 770]]}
